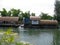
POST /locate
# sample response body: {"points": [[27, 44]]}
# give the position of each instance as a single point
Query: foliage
{"points": [[54, 17], [20, 18], [15, 12], [57, 10], [9, 13], [33, 14], [21, 14], [8, 39], [26, 14], [5, 13], [22, 43], [46, 16]]}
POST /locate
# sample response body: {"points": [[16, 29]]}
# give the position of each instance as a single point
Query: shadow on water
{"points": [[16, 30], [57, 37]]}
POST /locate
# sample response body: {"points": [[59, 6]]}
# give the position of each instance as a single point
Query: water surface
{"points": [[38, 36]]}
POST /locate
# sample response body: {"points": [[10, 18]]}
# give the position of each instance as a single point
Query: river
{"points": [[38, 36]]}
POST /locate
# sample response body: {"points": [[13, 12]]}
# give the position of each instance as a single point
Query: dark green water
{"points": [[38, 36]]}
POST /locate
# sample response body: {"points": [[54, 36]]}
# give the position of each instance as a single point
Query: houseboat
{"points": [[32, 22], [36, 22], [9, 22], [48, 24]]}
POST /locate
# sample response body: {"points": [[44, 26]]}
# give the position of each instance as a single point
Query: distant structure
{"points": [[9, 21], [36, 22], [48, 24]]}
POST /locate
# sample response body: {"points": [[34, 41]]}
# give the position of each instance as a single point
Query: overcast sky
{"points": [[36, 6]]}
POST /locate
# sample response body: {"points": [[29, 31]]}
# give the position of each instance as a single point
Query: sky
{"points": [[35, 6]]}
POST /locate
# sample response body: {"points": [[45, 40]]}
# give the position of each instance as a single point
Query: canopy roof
{"points": [[34, 18], [48, 22], [9, 18]]}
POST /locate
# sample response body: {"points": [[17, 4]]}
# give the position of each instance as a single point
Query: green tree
{"points": [[55, 17], [57, 10], [26, 14], [46, 16], [3, 12], [15, 12], [33, 14], [9, 13]]}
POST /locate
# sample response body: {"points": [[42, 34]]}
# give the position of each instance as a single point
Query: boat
{"points": [[9, 22]]}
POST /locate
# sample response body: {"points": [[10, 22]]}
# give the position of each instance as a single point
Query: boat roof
{"points": [[9, 18], [34, 18], [48, 21]]}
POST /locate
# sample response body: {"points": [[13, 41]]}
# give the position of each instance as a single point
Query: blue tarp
{"points": [[26, 20]]}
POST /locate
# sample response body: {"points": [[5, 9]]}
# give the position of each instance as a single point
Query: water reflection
{"points": [[37, 36], [16, 30], [57, 37]]}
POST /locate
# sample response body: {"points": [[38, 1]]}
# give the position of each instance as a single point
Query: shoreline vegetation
{"points": [[8, 38], [21, 14]]}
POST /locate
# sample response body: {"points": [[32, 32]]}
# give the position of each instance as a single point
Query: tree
{"points": [[4, 12], [26, 14], [15, 12], [57, 10], [33, 14], [55, 17], [9, 13], [46, 16]]}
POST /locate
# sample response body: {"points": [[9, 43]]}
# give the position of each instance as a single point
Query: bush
{"points": [[8, 39]]}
